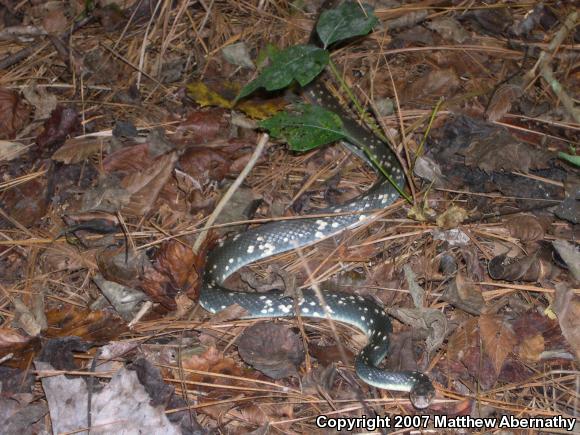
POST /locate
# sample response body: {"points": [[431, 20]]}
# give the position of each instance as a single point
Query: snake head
{"points": [[423, 392]]}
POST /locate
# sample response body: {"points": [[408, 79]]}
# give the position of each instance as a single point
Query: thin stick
{"points": [[257, 152]]}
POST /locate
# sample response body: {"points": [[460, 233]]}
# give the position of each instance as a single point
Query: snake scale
{"points": [[282, 236]]}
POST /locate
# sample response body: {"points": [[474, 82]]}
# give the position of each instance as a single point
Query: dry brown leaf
{"points": [[437, 82], [464, 295], [10, 339], [452, 217], [89, 325], [502, 100], [532, 347], [14, 113], [527, 228], [63, 121], [54, 22], [567, 307], [272, 348], [144, 186], [501, 152], [77, 150], [498, 338]]}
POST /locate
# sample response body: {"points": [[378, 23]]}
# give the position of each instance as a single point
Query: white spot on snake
{"points": [[305, 310], [260, 239], [284, 308], [263, 311], [362, 317], [231, 260], [334, 225], [312, 303], [285, 239], [321, 224], [250, 249], [318, 235], [262, 297]]}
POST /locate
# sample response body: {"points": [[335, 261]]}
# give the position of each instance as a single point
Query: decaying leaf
{"points": [[144, 186], [527, 228], [13, 113], [63, 122], [498, 338], [452, 217], [533, 267], [464, 295], [567, 307], [93, 326], [223, 94], [502, 101], [77, 150], [273, 349]]}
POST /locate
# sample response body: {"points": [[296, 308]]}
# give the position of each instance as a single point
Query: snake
{"points": [[277, 237]]}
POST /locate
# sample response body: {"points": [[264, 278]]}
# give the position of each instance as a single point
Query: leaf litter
{"points": [[119, 136]]}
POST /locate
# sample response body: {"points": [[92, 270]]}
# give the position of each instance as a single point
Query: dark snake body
{"points": [[281, 236]]}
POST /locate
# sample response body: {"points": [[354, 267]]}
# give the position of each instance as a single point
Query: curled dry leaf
{"points": [[527, 228], [78, 149], [63, 122], [13, 113], [273, 349], [498, 338], [121, 266], [502, 100], [464, 295], [534, 267], [174, 269]]}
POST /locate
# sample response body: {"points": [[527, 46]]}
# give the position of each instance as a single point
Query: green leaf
{"points": [[575, 160], [299, 62], [344, 22], [310, 127]]}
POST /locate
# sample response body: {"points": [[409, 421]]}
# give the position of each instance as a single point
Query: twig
{"points": [[257, 152], [547, 73], [26, 52]]}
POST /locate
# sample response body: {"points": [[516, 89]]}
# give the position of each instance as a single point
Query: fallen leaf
{"points": [[76, 150], [498, 338], [14, 113], [502, 100], [89, 325], [464, 295], [271, 348], [527, 228], [63, 122], [567, 307], [11, 150], [144, 186], [54, 22]]}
